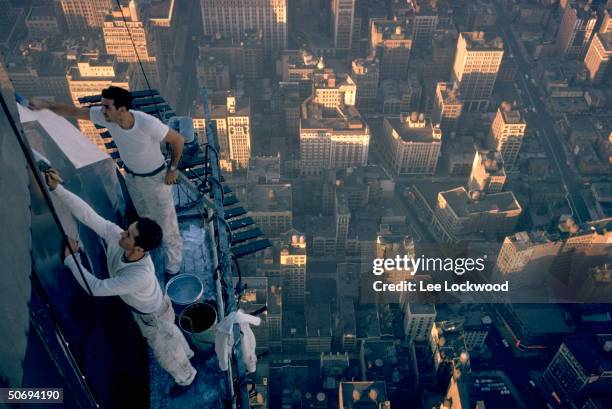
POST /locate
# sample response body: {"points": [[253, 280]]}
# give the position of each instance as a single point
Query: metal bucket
{"points": [[198, 322], [184, 290]]}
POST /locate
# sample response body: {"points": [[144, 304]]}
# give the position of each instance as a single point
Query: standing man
{"points": [[132, 278], [138, 137]]}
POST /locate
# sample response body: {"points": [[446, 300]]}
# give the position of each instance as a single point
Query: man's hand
{"points": [[53, 178], [38, 104], [171, 176], [72, 245]]}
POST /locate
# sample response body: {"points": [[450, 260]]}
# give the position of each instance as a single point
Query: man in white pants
{"points": [[132, 278], [138, 137]]}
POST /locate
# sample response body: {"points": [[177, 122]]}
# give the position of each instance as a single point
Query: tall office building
{"points": [[89, 75], [597, 59], [488, 175], [477, 62], [418, 320], [231, 18], [366, 72], [342, 19], [583, 363], [342, 215], [232, 115], [392, 44], [271, 208], [507, 133], [606, 21], [331, 138], [127, 40], [411, 145], [293, 261], [84, 16], [576, 29], [447, 107]]}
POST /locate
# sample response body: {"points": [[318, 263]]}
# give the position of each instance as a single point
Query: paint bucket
{"points": [[198, 323], [184, 290]]}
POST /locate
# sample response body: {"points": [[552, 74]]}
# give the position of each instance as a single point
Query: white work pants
{"points": [[167, 342], [153, 199]]}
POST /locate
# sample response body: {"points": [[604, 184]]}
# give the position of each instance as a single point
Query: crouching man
{"points": [[132, 277]]}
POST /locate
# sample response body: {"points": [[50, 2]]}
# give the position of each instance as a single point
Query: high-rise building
{"points": [[365, 73], [127, 40], [412, 92], [418, 320], [212, 73], [443, 48], [342, 19], [89, 75], [392, 44], [447, 107], [232, 115], [231, 18], [583, 363], [488, 175], [576, 29], [597, 59], [299, 66], [42, 22], [507, 133], [335, 138], [293, 261], [606, 21], [271, 207], [84, 16], [411, 145], [459, 214], [342, 215], [477, 63], [480, 16], [331, 90]]}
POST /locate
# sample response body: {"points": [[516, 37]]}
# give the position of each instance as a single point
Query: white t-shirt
{"points": [[138, 146]]}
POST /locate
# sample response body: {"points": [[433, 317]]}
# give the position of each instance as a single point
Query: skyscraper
{"points": [[342, 19], [118, 37], [392, 44], [411, 144], [231, 18], [232, 115], [477, 63], [84, 16], [597, 59], [576, 29], [293, 261], [507, 132], [447, 107], [331, 138], [488, 175], [366, 73], [89, 75]]}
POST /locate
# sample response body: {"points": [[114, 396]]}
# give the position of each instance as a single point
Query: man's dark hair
{"points": [[121, 97], [149, 234]]}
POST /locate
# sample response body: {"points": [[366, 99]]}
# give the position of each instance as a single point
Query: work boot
{"points": [[178, 390]]}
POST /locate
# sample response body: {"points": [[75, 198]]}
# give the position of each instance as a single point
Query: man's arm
{"points": [[65, 110], [176, 141], [122, 284], [86, 215]]}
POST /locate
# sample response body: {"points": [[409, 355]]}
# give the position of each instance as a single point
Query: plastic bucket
{"points": [[198, 322], [184, 290]]}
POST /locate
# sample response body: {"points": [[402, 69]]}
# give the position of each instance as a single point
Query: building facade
{"points": [[507, 133]]}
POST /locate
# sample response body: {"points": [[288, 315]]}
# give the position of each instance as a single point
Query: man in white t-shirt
{"points": [[132, 278], [138, 137]]}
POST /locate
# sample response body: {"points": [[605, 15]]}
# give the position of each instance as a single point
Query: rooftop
{"points": [[594, 352], [364, 395], [449, 93], [464, 206], [41, 12], [218, 105], [511, 116], [492, 162], [344, 119], [318, 320], [481, 41], [606, 40], [542, 318], [270, 198], [391, 30], [414, 128], [294, 324]]}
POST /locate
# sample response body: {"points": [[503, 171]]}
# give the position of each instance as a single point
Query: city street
{"points": [[551, 142]]}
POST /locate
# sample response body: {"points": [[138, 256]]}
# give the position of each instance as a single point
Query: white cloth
{"points": [[224, 339], [135, 282], [138, 146], [152, 198]]}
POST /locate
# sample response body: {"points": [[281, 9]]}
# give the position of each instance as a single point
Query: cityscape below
{"points": [[327, 143]]}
